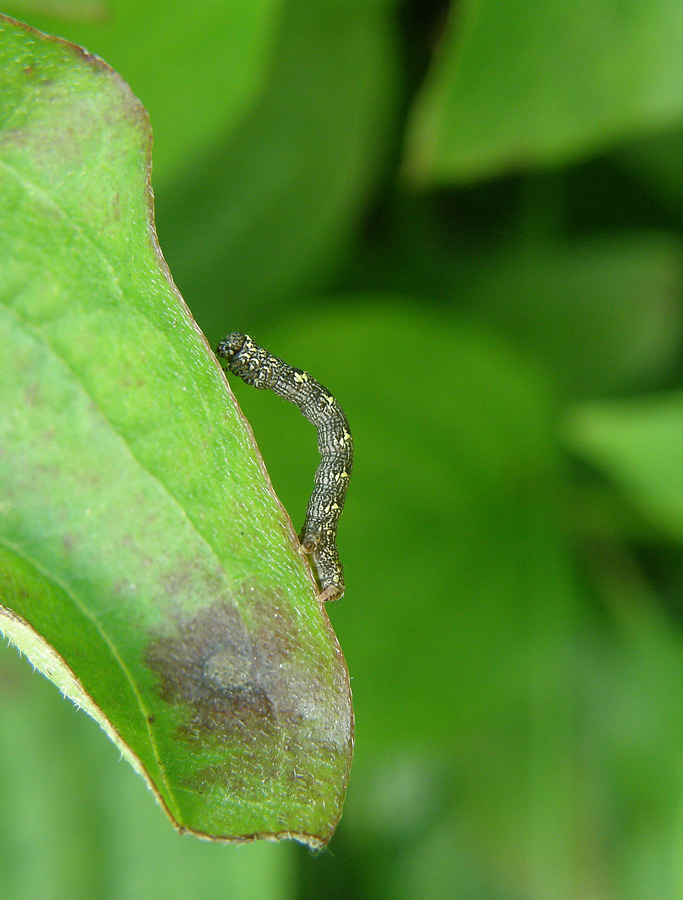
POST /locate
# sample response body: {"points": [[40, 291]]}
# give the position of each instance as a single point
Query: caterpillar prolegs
{"points": [[258, 367]]}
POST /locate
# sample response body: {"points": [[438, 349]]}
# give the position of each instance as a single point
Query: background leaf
{"points": [[528, 84], [602, 312], [68, 10], [266, 214], [456, 456], [637, 443]]}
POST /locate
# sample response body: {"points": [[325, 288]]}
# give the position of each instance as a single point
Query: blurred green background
{"points": [[465, 219]]}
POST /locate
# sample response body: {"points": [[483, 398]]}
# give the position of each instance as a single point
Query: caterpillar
{"points": [[318, 537]]}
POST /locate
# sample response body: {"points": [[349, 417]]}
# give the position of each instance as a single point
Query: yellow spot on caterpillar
{"points": [[300, 377]]}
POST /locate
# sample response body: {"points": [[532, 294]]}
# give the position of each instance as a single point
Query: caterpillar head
{"points": [[232, 344]]}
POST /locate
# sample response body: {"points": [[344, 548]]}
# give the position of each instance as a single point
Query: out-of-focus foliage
{"points": [[544, 82], [466, 222]]}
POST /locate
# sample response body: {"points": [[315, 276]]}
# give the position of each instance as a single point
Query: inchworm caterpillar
{"points": [[257, 366]]}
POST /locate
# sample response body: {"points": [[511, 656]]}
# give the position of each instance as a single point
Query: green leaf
{"points": [[67, 10], [655, 161], [145, 563], [638, 444], [603, 312], [460, 603], [195, 66], [634, 732], [543, 82], [264, 216]]}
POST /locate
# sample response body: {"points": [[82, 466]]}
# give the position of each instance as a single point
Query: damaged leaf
{"points": [[145, 564]]}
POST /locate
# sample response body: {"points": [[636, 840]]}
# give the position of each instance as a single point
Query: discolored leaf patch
{"points": [[246, 693]]}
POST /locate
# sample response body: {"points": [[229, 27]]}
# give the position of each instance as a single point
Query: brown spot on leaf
{"points": [[251, 686], [209, 664]]}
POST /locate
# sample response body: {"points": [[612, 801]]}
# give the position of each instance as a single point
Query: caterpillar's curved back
{"points": [[258, 367]]}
